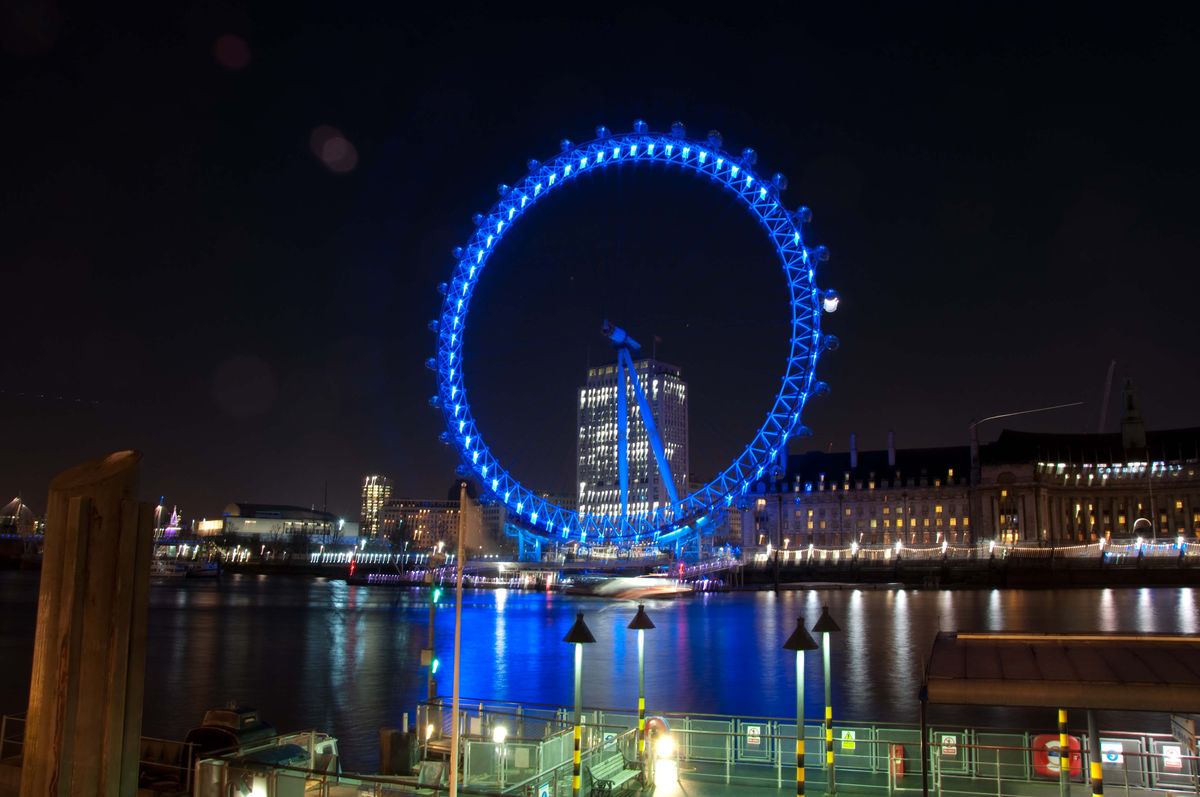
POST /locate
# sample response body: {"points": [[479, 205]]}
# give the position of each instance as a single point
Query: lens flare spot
{"points": [[232, 52]]}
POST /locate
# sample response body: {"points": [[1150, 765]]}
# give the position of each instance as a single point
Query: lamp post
{"points": [[579, 635], [427, 655], [498, 736], [976, 474], [800, 641], [641, 623], [825, 625]]}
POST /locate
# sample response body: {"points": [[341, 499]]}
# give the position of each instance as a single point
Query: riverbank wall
{"points": [[984, 573]]}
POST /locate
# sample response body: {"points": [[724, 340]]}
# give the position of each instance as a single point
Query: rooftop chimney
{"points": [[1133, 429], [891, 449], [853, 451]]}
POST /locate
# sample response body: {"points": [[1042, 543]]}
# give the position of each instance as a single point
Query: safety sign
{"points": [[1112, 752], [949, 744]]}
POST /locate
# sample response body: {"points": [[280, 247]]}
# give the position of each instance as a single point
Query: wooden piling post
{"points": [[83, 728]]}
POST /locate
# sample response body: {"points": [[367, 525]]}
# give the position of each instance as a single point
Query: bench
{"points": [[610, 775]]}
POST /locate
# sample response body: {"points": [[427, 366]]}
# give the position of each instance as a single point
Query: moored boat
{"points": [[632, 588], [165, 568], [209, 569]]}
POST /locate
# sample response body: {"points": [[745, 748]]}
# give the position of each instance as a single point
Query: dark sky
{"points": [[1009, 193]]}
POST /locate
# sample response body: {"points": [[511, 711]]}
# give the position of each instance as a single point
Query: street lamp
{"points": [[800, 641], [579, 635], [641, 623], [824, 626], [976, 474], [499, 734]]}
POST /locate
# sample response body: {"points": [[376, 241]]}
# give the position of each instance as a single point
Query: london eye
{"points": [[683, 516]]}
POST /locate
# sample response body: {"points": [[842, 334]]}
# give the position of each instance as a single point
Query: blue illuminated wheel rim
{"points": [[761, 198]]}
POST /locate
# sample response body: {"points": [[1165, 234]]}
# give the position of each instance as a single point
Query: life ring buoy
{"points": [[1046, 756], [896, 761]]}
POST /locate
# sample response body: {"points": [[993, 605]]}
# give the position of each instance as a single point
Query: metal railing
{"points": [[534, 756], [160, 761], [760, 751], [980, 770], [12, 736], [1171, 551], [515, 766]]}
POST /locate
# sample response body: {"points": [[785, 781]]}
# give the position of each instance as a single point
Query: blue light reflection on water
{"points": [[316, 653]]}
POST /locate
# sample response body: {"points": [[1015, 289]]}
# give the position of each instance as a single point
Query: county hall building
{"points": [[1027, 488]]}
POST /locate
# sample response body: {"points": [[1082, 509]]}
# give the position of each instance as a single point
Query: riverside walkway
{"points": [[721, 756], [536, 750]]}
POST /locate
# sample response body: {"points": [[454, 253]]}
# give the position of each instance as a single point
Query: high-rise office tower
{"points": [[597, 474], [375, 493]]}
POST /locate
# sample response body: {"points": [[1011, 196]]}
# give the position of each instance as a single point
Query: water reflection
{"points": [[1108, 613], [857, 654], [1145, 610], [347, 659], [1185, 611], [899, 649]]}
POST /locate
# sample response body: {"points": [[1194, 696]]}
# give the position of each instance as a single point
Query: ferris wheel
{"points": [[683, 516]]}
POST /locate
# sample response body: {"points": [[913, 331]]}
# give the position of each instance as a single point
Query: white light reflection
{"points": [[1185, 610], [1145, 610], [499, 675], [1108, 611], [857, 650], [767, 619], [812, 608], [901, 652], [332, 649], [946, 611], [995, 611]]}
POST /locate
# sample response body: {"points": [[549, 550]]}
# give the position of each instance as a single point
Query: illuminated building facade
{"points": [[280, 524], [376, 491], [421, 523], [1024, 488], [1064, 489], [597, 477], [829, 500]]}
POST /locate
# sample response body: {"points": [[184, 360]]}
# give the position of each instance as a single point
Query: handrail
{"points": [[843, 721]]}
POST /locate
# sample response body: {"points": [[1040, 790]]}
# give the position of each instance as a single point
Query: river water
{"points": [[312, 653]]}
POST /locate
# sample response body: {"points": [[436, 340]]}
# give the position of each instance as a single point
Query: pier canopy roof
{"points": [[1122, 672]]}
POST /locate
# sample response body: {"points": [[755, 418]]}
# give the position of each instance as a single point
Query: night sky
{"points": [[222, 227]]}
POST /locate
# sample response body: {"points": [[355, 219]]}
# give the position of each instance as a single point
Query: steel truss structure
{"points": [[686, 516]]}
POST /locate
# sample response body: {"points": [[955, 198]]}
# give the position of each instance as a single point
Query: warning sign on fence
{"points": [[848, 740], [949, 745], [753, 735]]}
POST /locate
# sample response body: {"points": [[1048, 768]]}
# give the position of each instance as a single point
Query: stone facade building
{"points": [[830, 500], [420, 524], [1024, 488]]}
